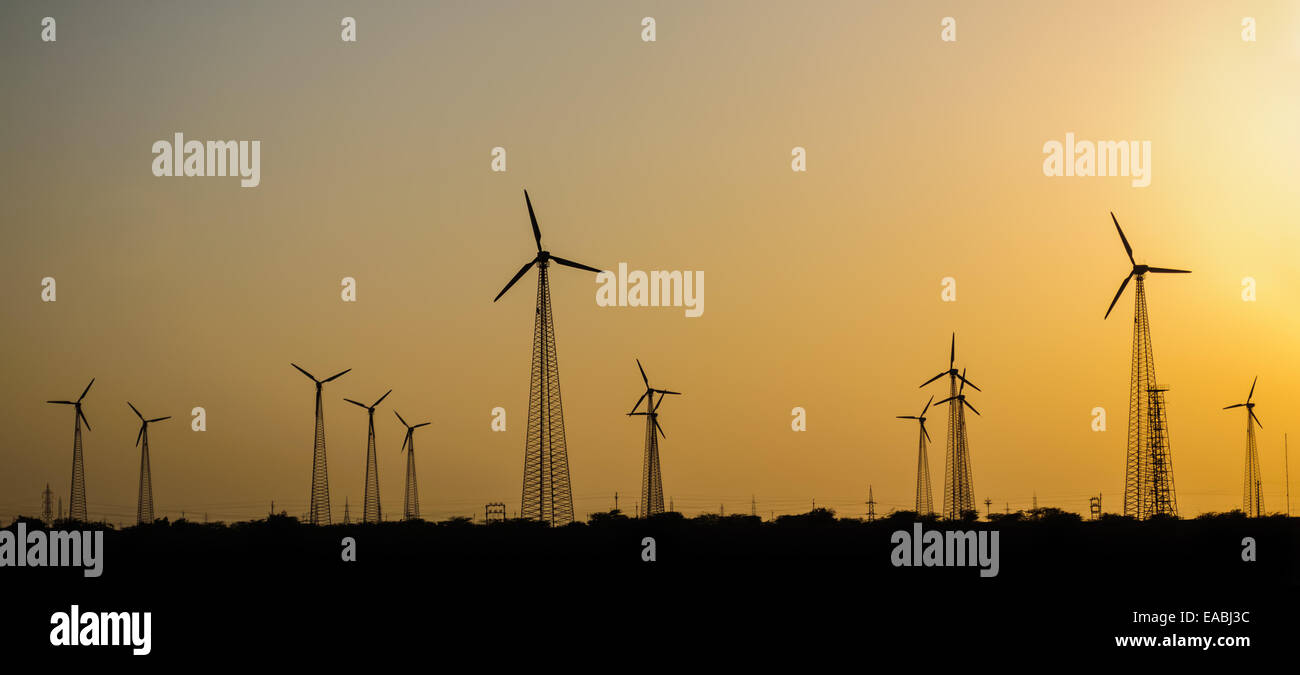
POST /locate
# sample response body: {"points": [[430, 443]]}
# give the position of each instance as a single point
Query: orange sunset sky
{"points": [[822, 288]]}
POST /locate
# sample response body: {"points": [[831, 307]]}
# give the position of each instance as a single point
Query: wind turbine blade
{"points": [[639, 400], [360, 405], [661, 429], [83, 418], [158, 419], [665, 391], [313, 377], [927, 405], [570, 263], [1252, 415], [950, 398], [405, 440], [1235, 405], [1128, 249], [63, 402], [422, 424], [1118, 293], [963, 379], [636, 413], [520, 273], [927, 434], [1252, 388], [381, 399], [330, 379], [907, 417], [537, 231], [137, 412], [399, 416], [1167, 270], [952, 351], [968, 405], [643, 377], [933, 379], [139, 435], [87, 390]]}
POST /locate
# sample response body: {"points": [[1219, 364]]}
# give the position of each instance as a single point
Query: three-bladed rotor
{"points": [[321, 382], [543, 256], [1138, 270], [369, 408], [80, 415], [1250, 407], [652, 405], [920, 418], [144, 423], [961, 397], [410, 430], [952, 371]]}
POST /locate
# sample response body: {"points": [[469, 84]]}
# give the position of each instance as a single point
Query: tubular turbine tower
{"points": [[1149, 466], [547, 495]]}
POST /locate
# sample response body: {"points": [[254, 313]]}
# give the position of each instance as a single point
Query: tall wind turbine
{"points": [[652, 485], [370, 511], [1252, 497], [958, 490], [319, 514], [547, 495], [1148, 474], [144, 502], [963, 485], [411, 498], [924, 497], [77, 505]]}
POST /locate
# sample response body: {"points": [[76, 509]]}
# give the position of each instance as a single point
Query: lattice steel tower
{"points": [[144, 501], [652, 485], [77, 503], [411, 497], [924, 496], [1148, 474], [547, 494], [319, 511], [1252, 493], [47, 505], [958, 481], [370, 509]]}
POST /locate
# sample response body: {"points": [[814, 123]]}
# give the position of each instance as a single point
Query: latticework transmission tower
{"points": [[411, 496], [924, 495], [1252, 493], [1148, 472], [546, 494], [77, 497], [652, 485], [144, 500], [370, 509], [47, 505], [319, 511]]}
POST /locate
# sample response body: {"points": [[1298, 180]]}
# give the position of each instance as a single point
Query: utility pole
{"points": [[670, 505], [1035, 500], [871, 505], [1008, 508], [616, 500], [753, 505], [721, 511], [988, 508]]}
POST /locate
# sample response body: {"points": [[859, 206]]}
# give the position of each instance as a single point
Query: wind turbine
{"points": [[547, 494], [411, 499], [1148, 475], [144, 502], [924, 497], [1252, 488], [371, 512], [652, 486], [77, 505], [958, 492], [320, 482]]}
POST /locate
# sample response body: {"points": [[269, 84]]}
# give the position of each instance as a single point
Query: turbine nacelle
{"points": [[1248, 405], [1138, 270], [543, 257], [79, 416]]}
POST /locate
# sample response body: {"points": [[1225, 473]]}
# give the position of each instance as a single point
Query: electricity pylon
{"points": [[77, 503], [924, 496], [1252, 493], [1148, 474], [47, 506], [370, 509], [652, 485], [958, 482], [319, 513], [547, 495], [144, 501], [411, 498]]}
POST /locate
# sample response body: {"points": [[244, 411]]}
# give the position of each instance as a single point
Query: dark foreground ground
{"points": [[722, 590]]}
